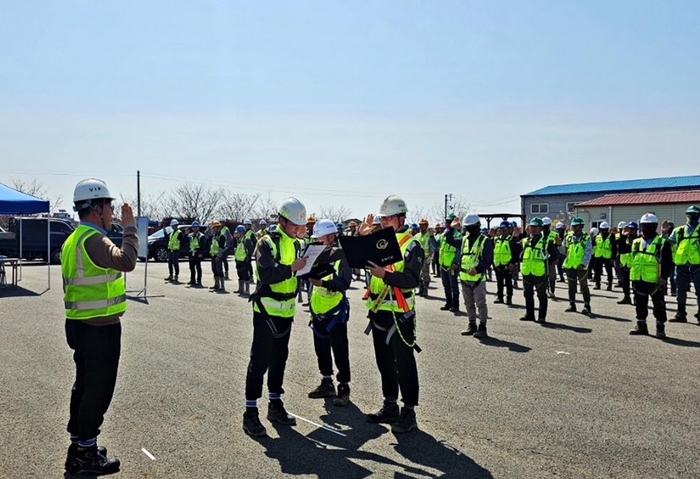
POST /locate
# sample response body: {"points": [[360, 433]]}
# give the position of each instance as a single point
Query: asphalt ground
{"points": [[575, 398]]}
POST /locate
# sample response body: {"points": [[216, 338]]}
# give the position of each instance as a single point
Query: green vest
{"points": [[377, 285], [194, 241], [424, 240], [534, 257], [214, 247], [323, 300], [90, 291], [240, 253], [174, 241], [625, 258], [646, 260], [575, 250], [249, 234], [471, 254], [603, 247], [687, 249], [279, 299], [501, 251], [448, 252]]}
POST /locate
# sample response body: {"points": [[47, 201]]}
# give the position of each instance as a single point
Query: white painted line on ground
{"points": [[318, 425], [148, 454], [562, 352]]}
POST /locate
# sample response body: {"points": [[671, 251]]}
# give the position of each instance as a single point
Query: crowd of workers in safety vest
{"points": [[95, 295]]}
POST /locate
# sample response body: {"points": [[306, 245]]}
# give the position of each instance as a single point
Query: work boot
{"points": [[388, 414], [324, 390], [660, 331], [625, 300], [169, 278], [586, 309], [221, 289], [90, 461], [527, 318], [406, 421], [252, 425], [276, 412], [640, 329], [609, 288], [597, 286], [216, 284], [175, 279], [73, 449], [541, 320], [199, 282], [191, 282], [498, 301], [240, 287], [679, 318], [247, 288], [447, 306], [471, 329], [226, 276], [481, 332], [509, 301], [343, 397], [570, 309]]}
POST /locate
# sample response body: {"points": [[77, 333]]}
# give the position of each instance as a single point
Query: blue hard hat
{"points": [[504, 224], [240, 229], [484, 230], [633, 225], [339, 225], [195, 223], [414, 226]]}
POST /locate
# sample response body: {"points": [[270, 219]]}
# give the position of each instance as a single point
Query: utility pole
{"points": [[447, 196], [138, 193]]}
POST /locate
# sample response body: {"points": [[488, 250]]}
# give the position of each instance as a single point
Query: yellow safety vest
{"points": [[575, 250], [322, 299], [377, 285], [90, 291], [194, 241], [424, 240], [240, 253], [470, 258], [646, 260], [687, 249], [603, 247], [214, 247], [447, 251], [501, 251], [534, 257], [279, 299], [174, 241]]}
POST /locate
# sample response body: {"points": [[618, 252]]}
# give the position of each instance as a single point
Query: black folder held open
{"points": [[380, 247]]}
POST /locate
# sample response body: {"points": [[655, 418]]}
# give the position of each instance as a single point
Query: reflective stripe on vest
{"points": [[90, 291], [501, 251], [377, 285], [645, 260], [687, 249], [174, 241], [286, 255], [575, 250], [534, 258], [471, 254], [603, 247], [322, 299], [447, 251]]}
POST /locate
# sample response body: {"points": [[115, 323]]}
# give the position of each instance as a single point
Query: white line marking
{"points": [[562, 352], [148, 454], [318, 425]]}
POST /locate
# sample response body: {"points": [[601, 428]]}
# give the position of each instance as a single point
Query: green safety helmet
{"points": [[693, 210], [578, 221], [450, 217], [536, 222]]}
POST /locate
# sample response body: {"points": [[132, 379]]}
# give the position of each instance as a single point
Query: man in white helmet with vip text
{"points": [[390, 299], [276, 263], [651, 263], [94, 301]]}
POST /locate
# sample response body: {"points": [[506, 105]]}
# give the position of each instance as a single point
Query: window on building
{"points": [[539, 208], [570, 207]]}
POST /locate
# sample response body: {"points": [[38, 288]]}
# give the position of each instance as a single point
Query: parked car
{"points": [[158, 243], [34, 238]]}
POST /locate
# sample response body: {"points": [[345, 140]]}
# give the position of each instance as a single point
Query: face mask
{"points": [[693, 219]]}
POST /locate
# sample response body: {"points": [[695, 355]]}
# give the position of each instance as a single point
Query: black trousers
{"points": [[599, 264], [96, 355], [337, 341], [243, 269], [530, 285], [195, 268], [174, 263], [267, 355], [503, 278], [396, 362], [642, 291], [625, 280], [217, 268], [573, 276], [451, 284]]}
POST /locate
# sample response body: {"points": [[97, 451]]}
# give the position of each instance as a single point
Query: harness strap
{"points": [[275, 334]]}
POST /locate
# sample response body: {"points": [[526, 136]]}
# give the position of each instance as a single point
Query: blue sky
{"points": [[343, 103]]}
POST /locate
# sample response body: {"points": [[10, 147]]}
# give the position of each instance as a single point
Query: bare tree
{"points": [[265, 208], [238, 206], [337, 214], [458, 207], [153, 206], [37, 189], [194, 201]]}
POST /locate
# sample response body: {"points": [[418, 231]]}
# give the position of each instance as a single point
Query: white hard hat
{"points": [[377, 220], [247, 222], [324, 227], [594, 231], [604, 225], [546, 220], [393, 205], [621, 224], [173, 222], [263, 222], [293, 210], [472, 219], [649, 218], [91, 189]]}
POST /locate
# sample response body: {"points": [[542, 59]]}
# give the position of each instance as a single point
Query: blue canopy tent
{"points": [[13, 202]]}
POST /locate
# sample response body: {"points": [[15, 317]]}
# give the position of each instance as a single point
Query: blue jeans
{"points": [[684, 276]]}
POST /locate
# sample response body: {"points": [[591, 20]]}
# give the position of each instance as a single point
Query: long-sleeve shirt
{"points": [[202, 248], [248, 247], [689, 229], [433, 243], [588, 249], [106, 254], [271, 271], [486, 258], [666, 257], [413, 263], [341, 281]]}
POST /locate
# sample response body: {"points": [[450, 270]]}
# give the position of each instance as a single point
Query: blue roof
{"points": [[617, 186]]}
